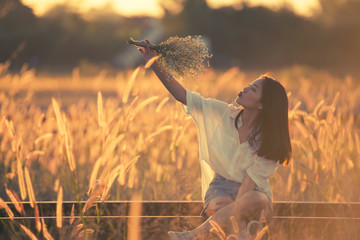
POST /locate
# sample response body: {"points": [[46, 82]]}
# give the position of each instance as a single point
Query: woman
{"points": [[240, 149]]}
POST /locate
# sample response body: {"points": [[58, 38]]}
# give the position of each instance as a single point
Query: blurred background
{"points": [[55, 36]]}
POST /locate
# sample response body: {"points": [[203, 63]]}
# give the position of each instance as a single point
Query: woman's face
{"points": [[250, 97]]}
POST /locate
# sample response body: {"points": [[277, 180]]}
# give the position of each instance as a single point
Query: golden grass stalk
{"points": [[37, 219], [34, 154], [56, 185], [93, 176], [123, 170], [121, 178], [321, 137], [218, 234], [59, 208], [234, 224], [46, 233], [141, 106], [131, 163], [262, 232], [294, 109], [132, 104], [16, 145], [131, 179], [29, 188], [72, 214], [313, 142], [129, 85], [329, 131], [43, 137], [128, 110], [21, 179], [336, 99], [357, 142], [217, 227], [161, 104], [7, 209], [111, 145], [20, 203], [17, 204], [302, 129], [10, 127], [79, 227], [303, 184], [114, 118], [58, 116], [316, 109], [28, 232], [159, 131], [232, 237], [95, 195], [100, 109], [110, 180], [159, 172], [140, 145], [85, 232], [69, 152], [183, 133], [75, 232], [151, 61], [290, 180], [89, 203], [134, 224]]}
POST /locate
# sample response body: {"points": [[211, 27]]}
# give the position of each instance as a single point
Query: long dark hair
{"points": [[273, 123]]}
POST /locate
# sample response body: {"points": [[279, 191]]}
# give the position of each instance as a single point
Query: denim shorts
{"points": [[221, 186]]}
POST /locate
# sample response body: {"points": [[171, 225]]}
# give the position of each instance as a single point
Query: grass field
{"points": [[116, 137]]}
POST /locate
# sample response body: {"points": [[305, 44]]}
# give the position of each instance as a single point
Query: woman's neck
{"points": [[250, 118]]}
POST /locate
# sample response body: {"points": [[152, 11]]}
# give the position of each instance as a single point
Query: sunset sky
{"points": [[152, 8]]}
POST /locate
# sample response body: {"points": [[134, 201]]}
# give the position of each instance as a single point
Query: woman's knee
{"points": [[251, 203]]}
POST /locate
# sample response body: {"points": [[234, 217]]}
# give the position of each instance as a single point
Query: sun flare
{"points": [[153, 8]]}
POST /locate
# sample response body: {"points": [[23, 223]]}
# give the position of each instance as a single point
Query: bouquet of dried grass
{"points": [[182, 58]]}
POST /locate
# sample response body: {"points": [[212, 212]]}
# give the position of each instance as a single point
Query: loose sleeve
{"points": [[200, 108], [260, 170], [206, 113]]}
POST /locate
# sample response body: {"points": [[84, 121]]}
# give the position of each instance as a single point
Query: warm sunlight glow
{"points": [[124, 7], [306, 7], [152, 8], [302, 7], [138, 7]]}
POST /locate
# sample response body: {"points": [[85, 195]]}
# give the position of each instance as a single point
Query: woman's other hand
{"points": [[147, 52]]}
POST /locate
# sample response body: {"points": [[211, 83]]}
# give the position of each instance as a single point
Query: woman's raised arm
{"points": [[173, 86]]}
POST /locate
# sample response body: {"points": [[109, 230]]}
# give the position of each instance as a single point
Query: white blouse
{"points": [[220, 150]]}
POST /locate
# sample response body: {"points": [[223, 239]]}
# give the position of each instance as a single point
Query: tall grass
{"points": [[138, 140]]}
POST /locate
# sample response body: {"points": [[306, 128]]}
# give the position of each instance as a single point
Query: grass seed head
{"points": [[183, 58]]}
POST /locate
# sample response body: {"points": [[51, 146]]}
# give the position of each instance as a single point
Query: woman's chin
{"points": [[238, 101]]}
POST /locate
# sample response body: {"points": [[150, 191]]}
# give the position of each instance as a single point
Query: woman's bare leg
{"points": [[241, 208], [217, 203]]}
